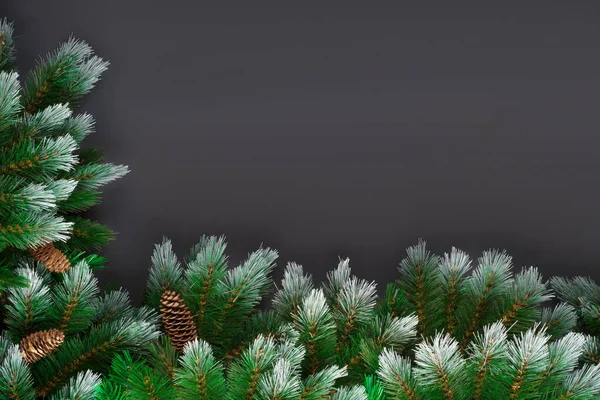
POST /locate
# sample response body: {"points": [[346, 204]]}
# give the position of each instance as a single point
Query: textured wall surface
{"points": [[342, 131]]}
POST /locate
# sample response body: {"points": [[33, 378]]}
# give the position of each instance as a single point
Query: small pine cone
{"points": [[52, 258], [177, 319], [39, 344]]}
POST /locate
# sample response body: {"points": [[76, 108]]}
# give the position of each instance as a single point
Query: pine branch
{"points": [[386, 332], [80, 200], [241, 290], [92, 175], [28, 307], [487, 359], [9, 279], [336, 279], [26, 230], [528, 357], [574, 291], [111, 306], [350, 393], [38, 160], [63, 76], [41, 124], [394, 302], [317, 331], [9, 93], [74, 299], [83, 386], [200, 375], [559, 320], [7, 47], [88, 234], [521, 308], [453, 269], [322, 383], [136, 380], [165, 273], [61, 188], [583, 384], [18, 196], [164, 357], [91, 351], [395, 372], [295, 286], [206, 269], [353, 308], [246, 372], [420, 280], [281, 383], [591, 350], [79, 127], [490, 280], [440, 367], [374, 388], [16, 381], [564, 357]]}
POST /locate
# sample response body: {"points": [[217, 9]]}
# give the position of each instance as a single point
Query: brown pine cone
{"points": [[177, 319], [51, 258], [39, 344]]}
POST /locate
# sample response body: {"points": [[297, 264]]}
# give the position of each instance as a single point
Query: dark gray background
{"points": [[328, 131]]}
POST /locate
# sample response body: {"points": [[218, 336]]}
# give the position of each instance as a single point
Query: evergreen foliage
{"points": [[95, 328], [45, 179], [449, 328]]}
